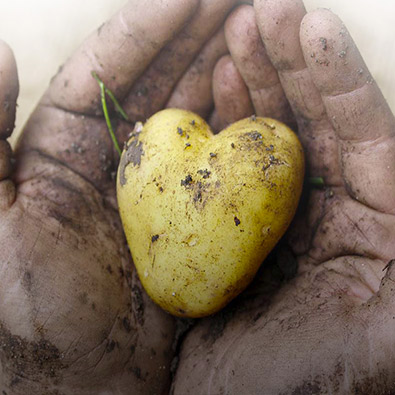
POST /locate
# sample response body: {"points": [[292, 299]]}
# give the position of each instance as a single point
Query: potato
{"points": [[202, 211]]}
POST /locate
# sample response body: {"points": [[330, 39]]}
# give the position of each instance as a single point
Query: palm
{"points": [[329, 330], [74, 317]]}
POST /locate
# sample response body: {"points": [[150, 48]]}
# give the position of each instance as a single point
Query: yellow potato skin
{"points": [[202, 211]]}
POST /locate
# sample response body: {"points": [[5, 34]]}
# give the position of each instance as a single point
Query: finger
{"points": [[231, 97], [249, 55], [194, 91], [118, 51], [215, 122], [358, 111], [279, 24], [5, 159], [154, 88], [9, 88]]}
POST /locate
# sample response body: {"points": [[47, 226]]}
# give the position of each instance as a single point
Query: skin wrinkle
{"points": [[272, 87], [355, 191], [88, 353], [345, 94], [356, 226], [371, 124], [367, 145], [353, 272], [370, 284], [317, 253], [314, 109], [56, 162]]}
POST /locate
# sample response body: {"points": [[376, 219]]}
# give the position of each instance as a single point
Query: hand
{"points": [[331, 329], [73, 316]]}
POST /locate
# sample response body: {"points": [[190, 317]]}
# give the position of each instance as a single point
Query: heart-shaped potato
{"points": [[202, 211]]}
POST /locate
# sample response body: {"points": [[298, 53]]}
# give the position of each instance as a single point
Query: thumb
{"points": [[9, 89]]}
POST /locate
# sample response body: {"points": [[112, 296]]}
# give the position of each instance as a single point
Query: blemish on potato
{"points": [[272, 161], [254, 135], [197, 197], [265, 230], [186, 181], [237, 221], [329, 193], [204, 173], [133, 154], [191, 240]]}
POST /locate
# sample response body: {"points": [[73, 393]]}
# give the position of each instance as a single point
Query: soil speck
{"points": [[204, 173], [323, 42], [186, 181], [254, 135]]}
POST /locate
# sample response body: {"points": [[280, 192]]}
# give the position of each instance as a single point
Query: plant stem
{"points": [[103, 91], [317, 182], [116, 104]]}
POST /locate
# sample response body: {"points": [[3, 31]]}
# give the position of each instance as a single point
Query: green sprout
{"points": [[103, 91], [317, 182]]}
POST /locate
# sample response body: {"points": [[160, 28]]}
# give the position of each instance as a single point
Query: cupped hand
{"points": [[73, 316], [331, 329]]}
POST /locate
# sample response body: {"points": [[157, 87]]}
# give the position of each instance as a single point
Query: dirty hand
{"points": [[73, 316], [332, 328]]}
